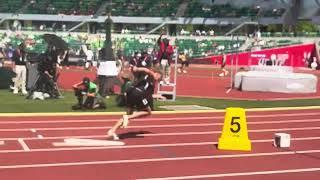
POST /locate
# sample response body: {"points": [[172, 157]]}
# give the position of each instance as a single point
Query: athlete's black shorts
{"points": [[185, 63], [136, 98]]}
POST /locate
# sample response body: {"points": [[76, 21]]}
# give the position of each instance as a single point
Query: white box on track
{"points": [[282, 140]]}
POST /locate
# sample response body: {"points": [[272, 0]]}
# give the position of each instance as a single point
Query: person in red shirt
{"points": [[164, 58]]}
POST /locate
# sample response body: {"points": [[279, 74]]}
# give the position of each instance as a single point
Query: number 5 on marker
{"points": [[234, 134], [235, 122]]}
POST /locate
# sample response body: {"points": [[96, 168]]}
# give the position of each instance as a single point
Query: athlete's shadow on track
{"points": [[134, 134]]}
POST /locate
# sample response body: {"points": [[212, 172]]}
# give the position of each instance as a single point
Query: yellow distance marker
{"points": [[235, 133]]}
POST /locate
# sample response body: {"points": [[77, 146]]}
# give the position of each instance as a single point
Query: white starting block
{"points": [[281, 140]]}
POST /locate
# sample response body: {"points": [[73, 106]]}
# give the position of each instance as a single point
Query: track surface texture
{"points": [[161, 146]]}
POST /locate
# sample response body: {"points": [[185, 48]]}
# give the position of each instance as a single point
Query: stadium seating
{"points": [[197, 9], [36, 44], [162, 8], [11, 6], [195, 47], [85, 7]]}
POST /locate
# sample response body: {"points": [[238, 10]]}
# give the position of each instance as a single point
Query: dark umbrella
{"points": [[54, 40]]}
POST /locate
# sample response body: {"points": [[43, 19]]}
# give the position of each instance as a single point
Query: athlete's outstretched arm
{"points": [[143, 69]]}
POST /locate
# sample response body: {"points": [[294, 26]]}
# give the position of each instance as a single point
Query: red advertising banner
{"points": [[295, 56]]}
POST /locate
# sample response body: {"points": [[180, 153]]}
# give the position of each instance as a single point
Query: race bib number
{"points": [[144, 101]]}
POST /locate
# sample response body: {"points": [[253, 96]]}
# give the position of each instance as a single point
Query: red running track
{"points": [[208, 83], [175, 146]]}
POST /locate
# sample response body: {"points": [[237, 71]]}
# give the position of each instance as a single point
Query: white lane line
{"points": [[33, 130], [211, 143], [274, 109], [162, 126], [202, 143], [237, 174], [23, 144], [171, 134], [218, 132], [39, 136], [185, 158], [153, 119], [208, 118], [284, 121]]}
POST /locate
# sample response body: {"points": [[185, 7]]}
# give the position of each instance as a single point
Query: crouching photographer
{"points": [[46, 82], [87, 96]]}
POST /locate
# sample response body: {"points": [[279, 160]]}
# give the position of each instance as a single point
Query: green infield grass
{"points": [[10, 103]]}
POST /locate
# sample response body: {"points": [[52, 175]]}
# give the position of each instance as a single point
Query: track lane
{"points": [[179, 116], [151, 121], [130, 138], [161, 152], [166, 168], [151, 151], [149, 130]]}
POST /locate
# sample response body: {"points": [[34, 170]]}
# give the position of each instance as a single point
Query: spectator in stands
{"points": [[165, 57], [198, 33], [20, 60], [16, 26], [64, 27], [183, 32], [42, 27], [258, 35], [125, 31], [211, 32]]}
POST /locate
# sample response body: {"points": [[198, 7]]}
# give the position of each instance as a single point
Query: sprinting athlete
{"points": [[137, 97]]}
